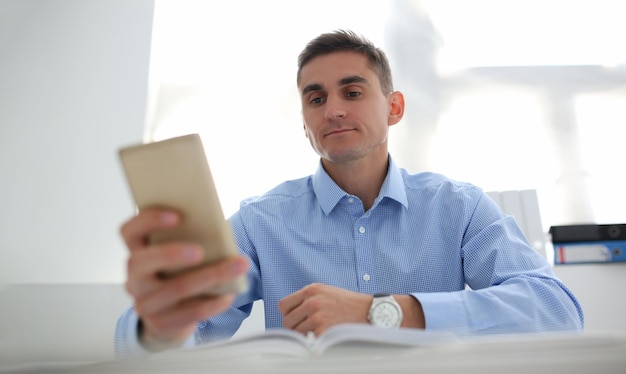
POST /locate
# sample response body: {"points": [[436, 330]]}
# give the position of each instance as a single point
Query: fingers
{"points": [[318, 307], [288, 303], [170, 321], [301, 309], [143, 266], [171, 328], [170, 307], [171, 310], [136, 230], [172, 292], [146, 262]]}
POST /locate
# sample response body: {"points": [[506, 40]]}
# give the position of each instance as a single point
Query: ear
{"points": [[306, 134], [396, 101]]}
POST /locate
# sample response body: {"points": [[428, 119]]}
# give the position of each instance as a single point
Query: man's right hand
{"points": [[169, 308]]}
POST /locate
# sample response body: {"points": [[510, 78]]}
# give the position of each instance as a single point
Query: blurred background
{"points": [[508, 95]]}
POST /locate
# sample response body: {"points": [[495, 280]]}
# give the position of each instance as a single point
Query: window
{"points": [[506, 95]]}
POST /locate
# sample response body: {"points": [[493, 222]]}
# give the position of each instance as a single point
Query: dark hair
{"points": [[345, 40]]}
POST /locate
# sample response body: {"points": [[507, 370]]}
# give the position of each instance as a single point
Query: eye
{"points": [[353, 94], [316, 100]]}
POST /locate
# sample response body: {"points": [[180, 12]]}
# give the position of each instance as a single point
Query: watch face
{"points": [[386, 315]]}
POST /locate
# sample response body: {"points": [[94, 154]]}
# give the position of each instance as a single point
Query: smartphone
{"points": [[174, 173]]}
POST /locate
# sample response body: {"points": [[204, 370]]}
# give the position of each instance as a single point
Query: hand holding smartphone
{"points": [[174, 173]]}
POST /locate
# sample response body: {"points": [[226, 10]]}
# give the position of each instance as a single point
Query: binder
{"points": [[587, 233], [590, 252]]}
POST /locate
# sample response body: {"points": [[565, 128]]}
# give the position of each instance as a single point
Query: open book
{"points": [[339, 339]]}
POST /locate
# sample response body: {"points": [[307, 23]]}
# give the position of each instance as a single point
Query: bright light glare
{"points": [[602, 119], [530, 32], [493, 138], [227, 71]]}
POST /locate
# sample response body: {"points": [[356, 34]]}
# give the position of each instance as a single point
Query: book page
{"points": [[272, 342], [361, 336], [341, 339]]}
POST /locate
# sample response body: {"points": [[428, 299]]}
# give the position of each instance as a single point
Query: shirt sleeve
{"points": [[510, 287], [126, 342]]}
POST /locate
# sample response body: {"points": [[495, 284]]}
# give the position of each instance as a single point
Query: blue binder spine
{"points": [[590, 252]]}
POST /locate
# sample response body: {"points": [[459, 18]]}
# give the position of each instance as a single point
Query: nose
{"points": [[334, 109]]}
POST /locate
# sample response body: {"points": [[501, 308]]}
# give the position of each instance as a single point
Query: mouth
{"points": [[338, 132]]}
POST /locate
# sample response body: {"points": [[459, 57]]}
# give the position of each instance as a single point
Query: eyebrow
{"points": [[342, 82], [352, 79], [311, 88]]}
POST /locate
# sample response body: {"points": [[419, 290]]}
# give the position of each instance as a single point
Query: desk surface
{"points": [[592, 352]]}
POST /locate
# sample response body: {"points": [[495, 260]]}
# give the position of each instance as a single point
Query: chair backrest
{"points": [[523, 205]]}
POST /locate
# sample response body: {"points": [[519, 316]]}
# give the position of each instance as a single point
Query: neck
{"points": [[362, 178]]}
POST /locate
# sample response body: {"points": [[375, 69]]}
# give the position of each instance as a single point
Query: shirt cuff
{"points": [[135, 349], [444, 311]]}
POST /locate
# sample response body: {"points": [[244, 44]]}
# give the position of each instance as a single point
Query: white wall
{"points": [[73, 84], [598, 289], [73, 77]]}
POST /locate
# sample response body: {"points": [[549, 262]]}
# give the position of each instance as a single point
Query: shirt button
{"points": [[366, 277], [350, 200], [362, 230]]}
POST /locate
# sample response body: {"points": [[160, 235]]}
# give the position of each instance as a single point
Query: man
{"points": [[318, 249]]}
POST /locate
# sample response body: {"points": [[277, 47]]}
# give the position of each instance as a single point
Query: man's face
{"points": [[346, 115]]}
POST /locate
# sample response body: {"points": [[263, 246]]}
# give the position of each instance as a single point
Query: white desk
{"points": [[590, 353]]}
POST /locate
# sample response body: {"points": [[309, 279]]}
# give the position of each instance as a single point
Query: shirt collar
{"points": [[329, 193]]}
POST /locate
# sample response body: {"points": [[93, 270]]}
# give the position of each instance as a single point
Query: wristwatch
{"points": [[385, 311]]}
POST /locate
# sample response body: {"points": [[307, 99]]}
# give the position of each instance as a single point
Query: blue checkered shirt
{"points": [[442, 241]]}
